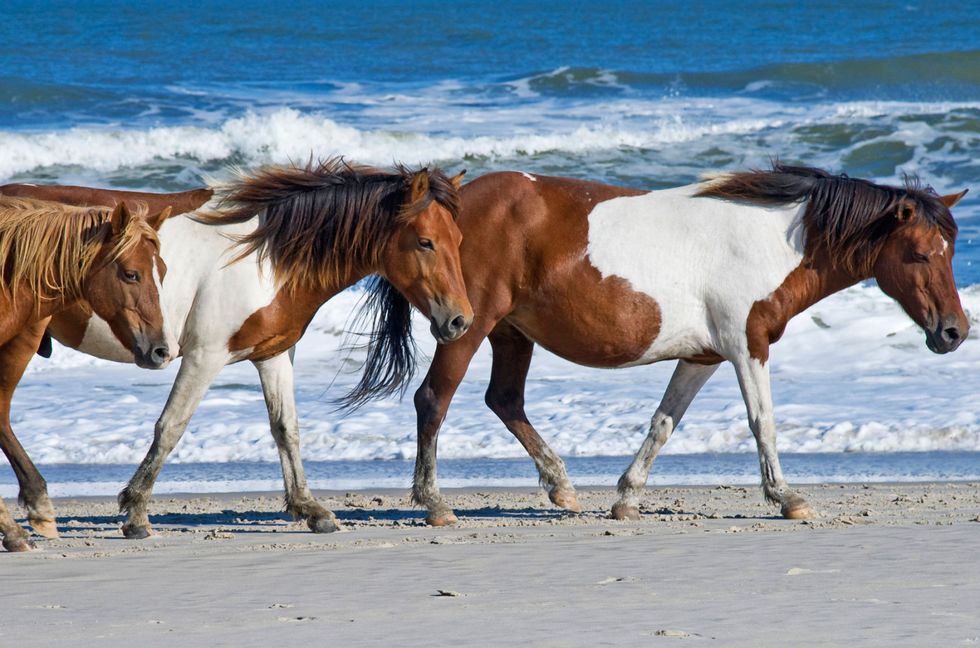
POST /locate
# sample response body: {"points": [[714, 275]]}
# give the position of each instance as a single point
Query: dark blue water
{"points": [[651, 94], [704, 469]]}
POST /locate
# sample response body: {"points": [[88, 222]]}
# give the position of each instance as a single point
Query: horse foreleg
{"points": [[276, 375], [684, 385], [753, 378], [193, 379], [15, 538], [512, 352], [431, 403], [14, 358]]}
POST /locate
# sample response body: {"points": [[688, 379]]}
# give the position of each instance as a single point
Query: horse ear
{"points": [[157, 220], [905, 210], [420, 186], [457, 179], [120, 218], [950, 200]]}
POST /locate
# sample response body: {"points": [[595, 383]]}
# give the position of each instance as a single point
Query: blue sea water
{"points": [[157, 95], [650, 94], [671, 470]]}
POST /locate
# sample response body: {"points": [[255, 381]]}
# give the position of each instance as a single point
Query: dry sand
{"points": [[888, 565]]}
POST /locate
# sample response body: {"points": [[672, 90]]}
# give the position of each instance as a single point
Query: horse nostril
{"points": [[952, 333], [458, 323], [159, 354]]}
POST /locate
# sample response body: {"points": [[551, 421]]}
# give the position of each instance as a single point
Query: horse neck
{"points": [[814, 280], [304, 301], [22, 308]]}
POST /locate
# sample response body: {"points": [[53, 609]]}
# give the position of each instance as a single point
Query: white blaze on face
{"points": [[704, 261], [168, 331], [529, 176]]}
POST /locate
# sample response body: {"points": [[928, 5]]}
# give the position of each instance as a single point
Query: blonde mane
{"points": [[49, 248]]}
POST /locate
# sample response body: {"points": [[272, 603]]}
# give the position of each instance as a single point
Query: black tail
{"points": [[44, 347], [391, 349]]}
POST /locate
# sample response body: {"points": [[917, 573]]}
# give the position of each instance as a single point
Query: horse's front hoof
{"points": [[622, 511], [796, 508], [135, 532], [323, 525], [566, 499], [18, 544], [45, 528], [441, 519]]}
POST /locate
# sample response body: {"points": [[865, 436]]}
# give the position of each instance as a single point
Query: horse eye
{"points": [[131, 276], [918, 257], [426, 244]]}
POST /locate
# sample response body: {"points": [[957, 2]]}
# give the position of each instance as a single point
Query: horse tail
{"points": [[391, 351]]}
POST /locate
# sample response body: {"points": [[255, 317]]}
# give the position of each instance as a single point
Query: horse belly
{"points": [[594, 323]]}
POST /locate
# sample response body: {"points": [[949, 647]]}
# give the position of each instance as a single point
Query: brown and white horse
{"points": [[307, 233], [611, 277], [52, 256]]}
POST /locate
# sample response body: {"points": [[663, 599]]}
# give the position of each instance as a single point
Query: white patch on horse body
{"points": [[529, 176], [205, 300], [704, 261]]}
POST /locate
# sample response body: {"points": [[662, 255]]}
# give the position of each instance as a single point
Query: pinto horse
{"points": [[611, 277], [319, 228], [51, 257]]}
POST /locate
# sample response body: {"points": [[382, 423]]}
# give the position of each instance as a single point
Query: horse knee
{"points": [[504, 402]]}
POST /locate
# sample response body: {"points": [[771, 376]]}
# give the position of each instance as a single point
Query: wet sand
{"points": [[886, 564]]}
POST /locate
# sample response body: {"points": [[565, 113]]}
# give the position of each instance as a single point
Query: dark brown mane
{"points": [[327, 222], [850, 217]]}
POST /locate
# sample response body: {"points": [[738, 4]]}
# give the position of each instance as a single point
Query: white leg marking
{"points": [[687, 381]]}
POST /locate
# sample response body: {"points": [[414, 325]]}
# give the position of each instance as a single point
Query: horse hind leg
{"points": [[14, 358], [276, 375], [193, 379], [15, 537], [687, 381], [512, 352]]}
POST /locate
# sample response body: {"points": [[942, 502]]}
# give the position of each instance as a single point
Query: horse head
{"points": [[421, 259], [915, 267], [124, 286]]}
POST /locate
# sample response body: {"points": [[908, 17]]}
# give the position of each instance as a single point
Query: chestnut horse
{"points": [[321, 228], [52, 256], [611, 277]]}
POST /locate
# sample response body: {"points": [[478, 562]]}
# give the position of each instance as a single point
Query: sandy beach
{"points": [[885, 564]]}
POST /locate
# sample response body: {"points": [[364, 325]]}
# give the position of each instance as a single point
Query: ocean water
{"points": [[646, 94]]}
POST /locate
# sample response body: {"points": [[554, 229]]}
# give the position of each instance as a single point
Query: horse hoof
{"points": [[45, 528], [323, 525], [447, 518], [622, 511], [133, 532], [567, 500], [796, 508], [18, 544]]}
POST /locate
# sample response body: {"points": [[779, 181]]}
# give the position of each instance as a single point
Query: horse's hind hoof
{"points": [[622, 511], [444, 518], [567, 500], [133, 532], [796, 508], [18, 544], [45, 528], [323, 525]]}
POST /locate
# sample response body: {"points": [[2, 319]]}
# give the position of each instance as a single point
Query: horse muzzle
{"points": [[155, 355], [450, 327], [946, 335]]}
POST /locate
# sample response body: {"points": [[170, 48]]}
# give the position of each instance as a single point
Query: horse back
{"points": [[181, 202]]}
